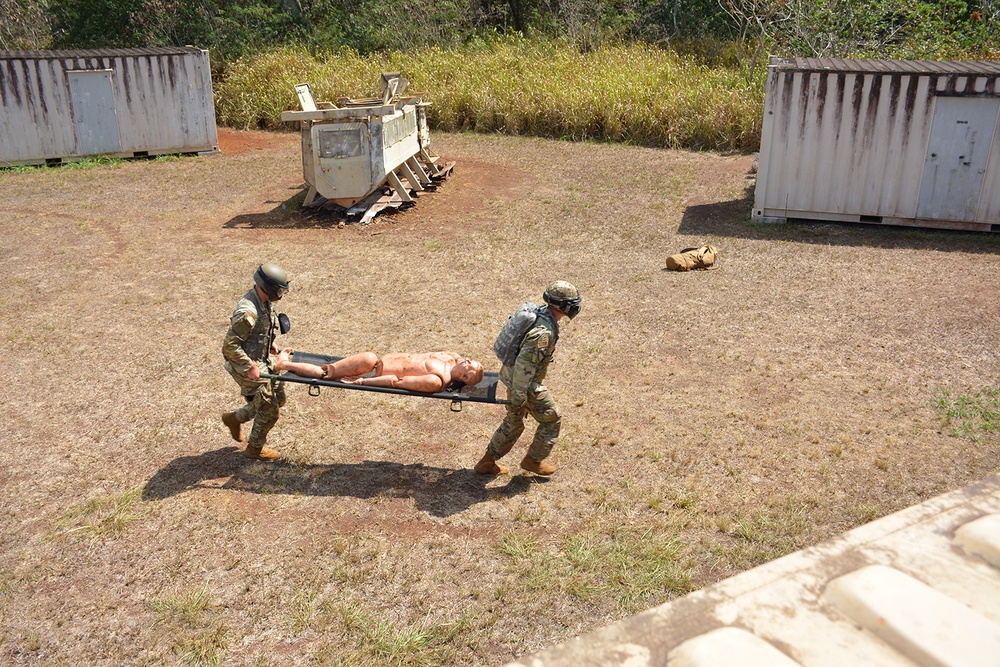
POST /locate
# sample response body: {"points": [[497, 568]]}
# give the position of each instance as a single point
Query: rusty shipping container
{"points": [[881, 141], [67, 105]]}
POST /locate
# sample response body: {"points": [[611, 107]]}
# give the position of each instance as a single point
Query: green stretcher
{"points": [[456, 392]]}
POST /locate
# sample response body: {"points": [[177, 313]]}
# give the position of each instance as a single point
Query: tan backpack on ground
{"points": [[693, 258]]}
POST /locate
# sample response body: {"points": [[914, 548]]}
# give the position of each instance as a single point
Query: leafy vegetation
{"points": [[971, 415], [234, 28]]}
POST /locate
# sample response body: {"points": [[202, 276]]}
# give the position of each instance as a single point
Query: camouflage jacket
{"points": [[533, 360], [252, 328]]}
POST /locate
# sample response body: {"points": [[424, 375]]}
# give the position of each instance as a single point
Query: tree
{"points": [[24, 25]]}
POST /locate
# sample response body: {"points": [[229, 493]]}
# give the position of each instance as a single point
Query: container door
{"points": [[343, 163], [955, 167], [94, 112]]}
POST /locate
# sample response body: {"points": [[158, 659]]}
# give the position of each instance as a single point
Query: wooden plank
{"points": [[397, 185], [418, 170], [411, 177], [337, 114], [310, 196]]}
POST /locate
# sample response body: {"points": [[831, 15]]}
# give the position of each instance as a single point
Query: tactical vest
{"points": [[258, 343]]}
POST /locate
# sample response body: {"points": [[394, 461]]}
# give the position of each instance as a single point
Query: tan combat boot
{"points": [[488, 466], [263, 453], [537, 467], [229, 419]]}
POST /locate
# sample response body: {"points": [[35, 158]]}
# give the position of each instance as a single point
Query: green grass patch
{"points": [[104, 516], [634, 568], [632, 93], [99, 161], [373, 639], [518, 546], [194, 632], [971, 415], [763, 535], [23, 168], [182, 609]]}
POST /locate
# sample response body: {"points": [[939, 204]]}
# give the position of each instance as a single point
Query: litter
{"points": [[483, 392]]}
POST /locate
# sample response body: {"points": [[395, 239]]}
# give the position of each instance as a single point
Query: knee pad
{"points": [[548, 416]]}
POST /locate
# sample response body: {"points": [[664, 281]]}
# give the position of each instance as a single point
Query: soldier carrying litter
{"points": [[526, 356], [253, 328]]}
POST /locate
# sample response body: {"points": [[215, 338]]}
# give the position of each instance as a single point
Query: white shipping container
{"points": [[881, 141], [65, 105]]}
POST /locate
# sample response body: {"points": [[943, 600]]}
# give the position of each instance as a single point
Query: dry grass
{"points": [[713, 420]]}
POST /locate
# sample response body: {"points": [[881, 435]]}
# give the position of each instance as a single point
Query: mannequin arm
{"points": [[428, 382]]}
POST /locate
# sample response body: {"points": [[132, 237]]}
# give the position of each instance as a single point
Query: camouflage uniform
{"points": [[252, 330], [527, 394]]}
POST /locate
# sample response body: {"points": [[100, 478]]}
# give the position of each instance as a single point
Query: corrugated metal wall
{"points": [[69, 104], [848, 140]]}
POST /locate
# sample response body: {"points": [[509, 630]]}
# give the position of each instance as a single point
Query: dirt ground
{"points": [[711, 420]]}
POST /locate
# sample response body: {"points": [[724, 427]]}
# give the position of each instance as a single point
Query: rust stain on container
{"points": [[888, 156]]}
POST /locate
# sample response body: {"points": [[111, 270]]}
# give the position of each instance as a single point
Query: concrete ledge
{"points": [[926, 575]]}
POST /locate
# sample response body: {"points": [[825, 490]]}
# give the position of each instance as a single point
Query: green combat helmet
{"points": [[272, 279], [564, 296]]}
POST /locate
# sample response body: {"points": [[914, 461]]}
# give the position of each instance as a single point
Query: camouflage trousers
{"points": [[543, 409], [263, 401]]}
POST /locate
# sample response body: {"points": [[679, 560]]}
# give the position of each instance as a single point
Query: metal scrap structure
{"points": [[365, 155]]}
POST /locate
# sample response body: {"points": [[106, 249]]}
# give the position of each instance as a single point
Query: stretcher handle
{"points": [[314, 387]]}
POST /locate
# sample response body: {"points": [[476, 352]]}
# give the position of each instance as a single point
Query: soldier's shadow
{"points": [[438, 491]]}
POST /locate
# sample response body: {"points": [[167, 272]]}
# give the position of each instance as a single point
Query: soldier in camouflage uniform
{"points": [[246, 348], [525, 390]]}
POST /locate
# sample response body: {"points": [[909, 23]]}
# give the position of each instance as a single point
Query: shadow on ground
{"points": [[288, 214], [438, 491], [732, 219]]}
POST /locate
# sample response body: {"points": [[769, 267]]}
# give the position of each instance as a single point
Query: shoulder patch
{"points": [[243, 322], [543, 340]]}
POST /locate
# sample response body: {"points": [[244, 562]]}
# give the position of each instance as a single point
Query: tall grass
{"points": [[634, 93]]}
